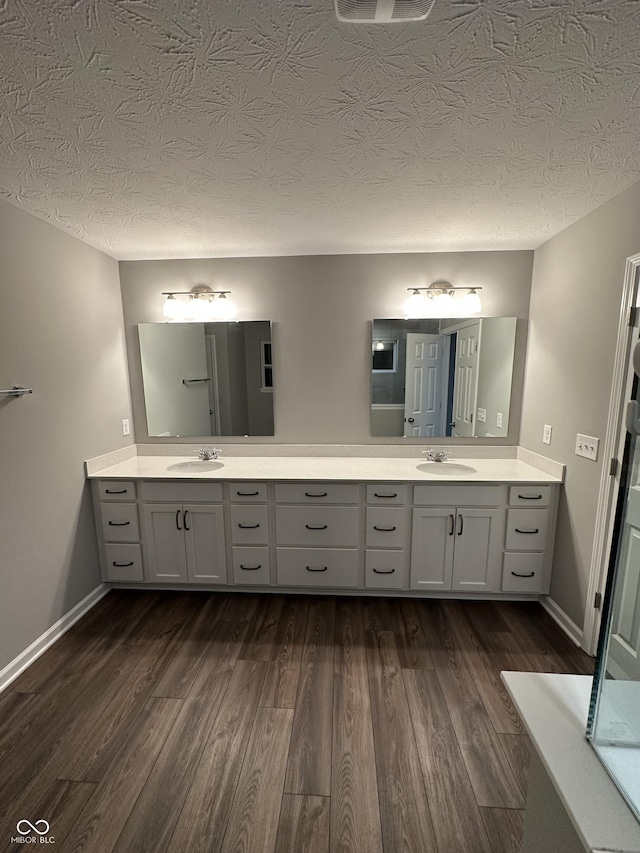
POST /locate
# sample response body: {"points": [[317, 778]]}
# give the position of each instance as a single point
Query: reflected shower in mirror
{"points": [[205, 379], [442, 377]]}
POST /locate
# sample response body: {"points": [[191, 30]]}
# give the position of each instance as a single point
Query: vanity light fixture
{"points": [[201, 306], [439, 300]]}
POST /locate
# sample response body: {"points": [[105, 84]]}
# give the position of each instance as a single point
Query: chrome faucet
{"points": [[205, 455], [436, 455]]}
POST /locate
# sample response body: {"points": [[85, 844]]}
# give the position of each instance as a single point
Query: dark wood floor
{"points": [[235, 723]]}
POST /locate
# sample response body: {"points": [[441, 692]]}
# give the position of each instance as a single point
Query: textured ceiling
{"points": [[157, 129]]}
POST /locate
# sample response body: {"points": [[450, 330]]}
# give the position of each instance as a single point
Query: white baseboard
{"points": [[32, 653], [560, 617]]}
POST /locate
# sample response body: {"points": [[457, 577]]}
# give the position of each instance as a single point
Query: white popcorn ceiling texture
{"points": [[210, 128]]}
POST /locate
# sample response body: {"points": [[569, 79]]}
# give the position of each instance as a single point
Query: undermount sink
{"points": [[196, 465], [446, 469]]}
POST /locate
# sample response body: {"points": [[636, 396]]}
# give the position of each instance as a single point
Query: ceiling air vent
{"points": [[382, 11]]}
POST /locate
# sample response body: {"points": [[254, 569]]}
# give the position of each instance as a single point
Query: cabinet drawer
{"points": [[386, 494], [117, 490], [384, 569], [249, 525], [529, 496], [332, 526], [385, 527], [326, 567], [251, 566], [255, 493], [523, 573], [445, 495], [124, 562], [326, 493], [180, 492], [120, 522], [526, 529]]}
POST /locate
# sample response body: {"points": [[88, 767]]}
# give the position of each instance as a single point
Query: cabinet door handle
{"points": [[518, 575], [250, 568], [247, 494], [316, 495], [535, 530], [119, 523], [311, 569], [530, 497], [316, 527], [115, 492], [122, 565], [461, 528], [248, 526], [453, 524], [184, 519], [178, 519], [385, 529], [384, 571], [394, 495]]}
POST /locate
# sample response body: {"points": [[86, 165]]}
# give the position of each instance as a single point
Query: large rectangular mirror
{"points": [[205, 379], [442, 377]]}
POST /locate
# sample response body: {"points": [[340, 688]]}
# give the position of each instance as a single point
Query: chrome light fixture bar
{"points": [[202, 305], [438, 300]]}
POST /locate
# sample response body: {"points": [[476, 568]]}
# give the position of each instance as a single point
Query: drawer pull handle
{"points": [[394, 495], [247, 494], [453, 524], [184, 519], [248, 526], [316, 527], [384, 571], [178, 520], [535, 530], [530, 497], [518, 575], [119, 523], [311, 569], [461, 528], [250, 568], [316, 494], [122, 565], [115, 492], [385, 529]]}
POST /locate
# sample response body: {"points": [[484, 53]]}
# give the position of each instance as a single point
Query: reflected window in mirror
{"points": [[384, 356], [205, 379], [453, 378]]}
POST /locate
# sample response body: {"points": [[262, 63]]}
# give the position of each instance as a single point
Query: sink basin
{"points": [[446, 469], [196, 466]]}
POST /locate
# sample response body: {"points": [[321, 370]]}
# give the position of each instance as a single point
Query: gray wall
{"points": [[322, 308], [61, 333], [575, 306], [495, 373]]}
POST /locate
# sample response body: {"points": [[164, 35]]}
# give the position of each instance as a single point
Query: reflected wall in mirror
{"points": [[451, 377], [204, 379]]}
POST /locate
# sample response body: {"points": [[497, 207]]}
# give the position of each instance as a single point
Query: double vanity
{"points": [[368, 524]]}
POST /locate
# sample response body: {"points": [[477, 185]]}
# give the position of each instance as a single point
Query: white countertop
{"points": [[554, 710], [340, 469]]}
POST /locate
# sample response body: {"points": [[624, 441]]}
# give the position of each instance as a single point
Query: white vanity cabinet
{"points": [[250, 534], [457, 536], [529, 535], [184, 542], [120, 532]]}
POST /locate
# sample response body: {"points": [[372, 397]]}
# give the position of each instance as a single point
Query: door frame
{"points": [[615, 434]]}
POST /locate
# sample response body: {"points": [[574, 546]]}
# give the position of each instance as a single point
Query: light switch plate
{"points": [[482, 416], [587, 446], [499, 419], [126, 426], [546, 434]]}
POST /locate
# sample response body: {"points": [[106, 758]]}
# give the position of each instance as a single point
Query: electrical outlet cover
{"points": [[546, 434]]}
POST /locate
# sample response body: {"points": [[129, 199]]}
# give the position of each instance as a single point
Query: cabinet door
{"points": [[204, 538], [478, 550], [165, 542], [432, 543]]}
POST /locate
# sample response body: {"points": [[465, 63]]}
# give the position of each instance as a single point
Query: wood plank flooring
{"points": [[241, 723]]}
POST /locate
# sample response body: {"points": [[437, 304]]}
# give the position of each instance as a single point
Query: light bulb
{"points": [[416, 306], [378, 345], [472, 302], [443, 302], [171, 307], [223, 308]]}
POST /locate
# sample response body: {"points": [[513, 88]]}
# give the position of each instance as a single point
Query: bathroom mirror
{"points": [[204, 379], [449, 377]]}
